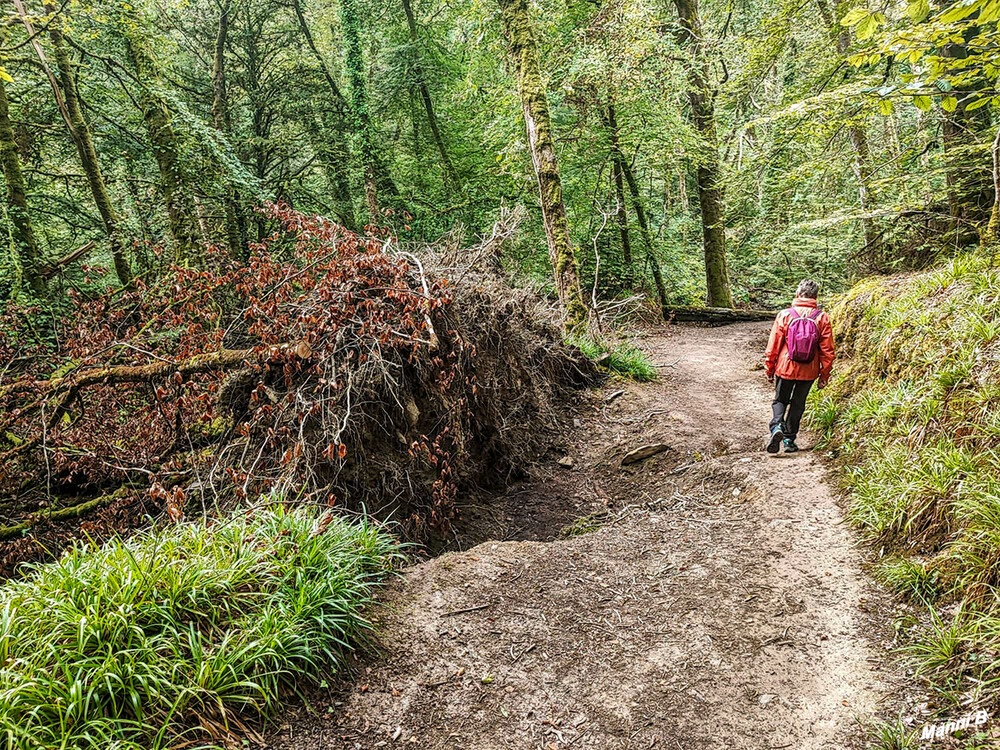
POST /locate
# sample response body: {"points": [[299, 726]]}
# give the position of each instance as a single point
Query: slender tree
{"points": [[365, 131], [538, 122], [861, 166], [22, 232], [621, 169], [235, 219], [710, 183], [80, 133], [181, 216], [425, 96], [337, 156]]}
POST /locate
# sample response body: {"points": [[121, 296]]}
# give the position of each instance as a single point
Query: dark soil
{"points": [[708, 597]]}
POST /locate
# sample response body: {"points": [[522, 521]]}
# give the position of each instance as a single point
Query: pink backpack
{"points": [[803, 336]]}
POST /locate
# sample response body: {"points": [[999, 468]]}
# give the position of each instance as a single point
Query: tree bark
{"points": [[177, 195], [623, 168], [709, 173], [719, 315], [449, 169], [538, 123], [82, 139], [25, 245], [235, 220]]}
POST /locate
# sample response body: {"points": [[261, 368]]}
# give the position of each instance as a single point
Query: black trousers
{"points": [[789, 405]]}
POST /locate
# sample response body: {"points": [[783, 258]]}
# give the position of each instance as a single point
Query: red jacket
{"points": [[776, 360]]}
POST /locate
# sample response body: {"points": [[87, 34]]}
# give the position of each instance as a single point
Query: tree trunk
{"points": [[623, 168], [621, 215], [80, 133], [709, 174], [992, 232], [719, 315], [337, 161], [359, 100], [236, 227], [449, 169], [861, 165], [538, 123], [25, 244], [177, 195]]}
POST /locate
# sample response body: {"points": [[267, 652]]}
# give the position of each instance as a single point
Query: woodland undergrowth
{"points": [[914, 417]]}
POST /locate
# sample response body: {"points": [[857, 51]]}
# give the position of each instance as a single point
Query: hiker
{"points": [[799, 353]]}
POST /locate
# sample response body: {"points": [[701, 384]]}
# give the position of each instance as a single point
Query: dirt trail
{"points": [[720, 603]]}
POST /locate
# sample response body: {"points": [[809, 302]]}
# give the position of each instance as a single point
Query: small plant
{"points": [[910, 578], [891, 735], [584, 525], [622, 358], [160, 640]]}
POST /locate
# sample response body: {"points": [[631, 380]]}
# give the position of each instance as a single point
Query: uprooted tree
{"points": [[327, 369]]}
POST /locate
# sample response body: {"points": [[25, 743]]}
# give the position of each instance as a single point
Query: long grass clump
{"points": [[167, 639], [914, 414], [624, 359]]}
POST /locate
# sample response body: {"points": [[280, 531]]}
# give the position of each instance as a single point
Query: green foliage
{"points": [[891, 735], [910, 578], [584, 525], [621, 358], [915, 415], [132, 644]]}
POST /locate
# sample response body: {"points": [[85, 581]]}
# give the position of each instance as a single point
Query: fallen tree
{"points": [[717, 315], [344, 374]]}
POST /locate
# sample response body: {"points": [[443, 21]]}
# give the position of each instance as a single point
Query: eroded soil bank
{"points": [[708, 597]]}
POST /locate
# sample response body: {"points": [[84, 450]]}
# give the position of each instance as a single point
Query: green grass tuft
{"points": [[891, 735], [623, 358], [910, 578], [144, 643]]}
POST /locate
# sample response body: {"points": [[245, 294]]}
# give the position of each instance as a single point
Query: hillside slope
{"points": [[915, 418]]}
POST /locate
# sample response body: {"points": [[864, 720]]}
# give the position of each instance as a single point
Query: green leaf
{"points": [[949, 104], [978, 103], [923, 103], [852, 17], [961, 10], [943, 84], [990, 12], [885, 106], [918, 10], [866, 28]]}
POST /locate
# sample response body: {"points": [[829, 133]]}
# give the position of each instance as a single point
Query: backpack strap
{"points": [[794, 312], [814, 315]]}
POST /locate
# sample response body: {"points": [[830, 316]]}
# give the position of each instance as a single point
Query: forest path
{"points": [[720, 603]]}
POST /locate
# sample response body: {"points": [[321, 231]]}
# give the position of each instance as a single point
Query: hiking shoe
{"points": [[774, 442], [790, 446]]}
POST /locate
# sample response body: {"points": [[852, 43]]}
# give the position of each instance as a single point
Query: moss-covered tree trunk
{"points": [[84, 142], [337, 155], [235, 218], [23, 233], [425, 95], [177, 195], [709, 173], [364, 131], [623, 169], [538, 122]]}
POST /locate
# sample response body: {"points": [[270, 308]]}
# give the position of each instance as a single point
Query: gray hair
{"points": [[808, 289]]}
